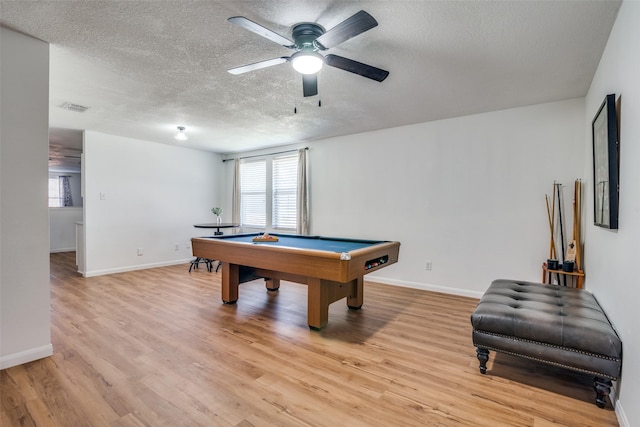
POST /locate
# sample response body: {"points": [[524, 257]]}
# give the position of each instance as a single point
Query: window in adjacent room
{"points": [[268, 192], [60, 191], [55, 195]]}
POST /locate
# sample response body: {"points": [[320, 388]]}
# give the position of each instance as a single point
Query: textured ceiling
{"points": [[145, 67]]}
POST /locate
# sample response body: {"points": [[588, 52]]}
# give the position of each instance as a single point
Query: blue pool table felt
{"points": [[307, 242]]}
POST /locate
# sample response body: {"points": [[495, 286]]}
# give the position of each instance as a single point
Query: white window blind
{"points": [[284, 185], [253, 193], [55, 195], [268, 192]]}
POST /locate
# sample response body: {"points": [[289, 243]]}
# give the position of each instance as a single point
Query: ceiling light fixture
{"points": [[181, 136], [307, 61]]}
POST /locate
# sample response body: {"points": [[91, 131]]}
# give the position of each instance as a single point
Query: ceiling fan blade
{"points": [[258, 65], [350, 27], [261, 31], [310, 84], [356, 67]]}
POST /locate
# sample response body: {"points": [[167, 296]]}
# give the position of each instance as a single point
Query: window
{"points": [[55, 194], [268, 191], [253, 194], [285, 186], [60, 191]]}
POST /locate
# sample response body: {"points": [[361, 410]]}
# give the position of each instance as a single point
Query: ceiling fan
{"points": [[309, 39]]}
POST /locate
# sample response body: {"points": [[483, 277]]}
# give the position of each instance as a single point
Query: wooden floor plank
{"points": [[158, 348]]}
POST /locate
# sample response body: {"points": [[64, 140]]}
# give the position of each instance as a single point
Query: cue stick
{"points": [[561, 228], [575, 213], [553, 225], [576, 219], [572, 248], [552, 243], [579, 222], [553, 212]]}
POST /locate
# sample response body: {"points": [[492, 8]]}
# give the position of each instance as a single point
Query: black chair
{"points": [[206, 261]]}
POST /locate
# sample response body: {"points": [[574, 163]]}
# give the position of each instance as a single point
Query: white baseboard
{"points": [[426, 287], [92, 273], [26, 356], [620, 414], [56, 250]]}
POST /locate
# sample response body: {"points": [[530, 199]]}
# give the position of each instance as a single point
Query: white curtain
{"points": [[235, 201], [302, 198]]}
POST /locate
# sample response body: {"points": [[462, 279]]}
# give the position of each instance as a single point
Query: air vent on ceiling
{"points": [[74, 107]]}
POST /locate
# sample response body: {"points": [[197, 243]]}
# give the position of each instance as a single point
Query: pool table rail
{"points": [[305, 262]]}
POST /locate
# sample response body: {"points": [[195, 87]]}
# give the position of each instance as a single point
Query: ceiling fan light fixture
{"points": [[307, 62], [181, 135]]}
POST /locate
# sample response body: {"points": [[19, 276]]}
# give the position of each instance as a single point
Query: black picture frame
{"points": [[605, 164]]}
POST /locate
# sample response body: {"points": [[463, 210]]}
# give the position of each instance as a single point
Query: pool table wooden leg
{"points": [[272, 284], [321, 293], [356, 296], [318, 303], [230, 282]]}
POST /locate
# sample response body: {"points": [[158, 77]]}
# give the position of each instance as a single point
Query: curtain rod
{"points": [[262, 155]]}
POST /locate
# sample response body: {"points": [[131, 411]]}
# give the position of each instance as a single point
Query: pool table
{"points": [[332, 268]]}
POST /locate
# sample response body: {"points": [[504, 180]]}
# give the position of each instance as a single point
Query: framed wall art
{"points": [[605, 164]]}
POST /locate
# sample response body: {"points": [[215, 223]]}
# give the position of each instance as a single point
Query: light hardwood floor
{"points": [[158, 348]]}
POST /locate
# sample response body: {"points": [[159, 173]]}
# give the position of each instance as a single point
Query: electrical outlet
{"points": [[176, 247], [140, 251], [188, 245], [428, 265]]}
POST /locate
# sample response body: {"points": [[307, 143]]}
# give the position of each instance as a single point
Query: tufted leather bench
{"points": [[552, 324]]}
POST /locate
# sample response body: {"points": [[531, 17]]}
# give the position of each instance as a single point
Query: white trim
{"points": [[425, 287], [53, 251], [67, 208], [26, 356], [620, 414], [135, 267]]}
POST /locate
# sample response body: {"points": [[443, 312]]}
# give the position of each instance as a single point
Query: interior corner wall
{"points": [[466, 194], [62, 228], [144, 196], [24, 215], [610, 255]]}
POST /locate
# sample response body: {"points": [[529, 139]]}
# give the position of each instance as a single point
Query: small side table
{"points": [[576, 276], [206, 261], [217, 226]]}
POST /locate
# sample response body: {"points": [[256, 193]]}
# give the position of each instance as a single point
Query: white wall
{"points": [[610, 256], [62, 221], [62, 228], [152, 195], [24, 215], [466, 194]]}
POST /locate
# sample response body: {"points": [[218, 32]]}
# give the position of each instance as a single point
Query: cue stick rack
{"points": [[566, 267]]}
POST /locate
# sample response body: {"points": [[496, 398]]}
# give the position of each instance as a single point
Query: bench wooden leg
{"points": [[602, 388], [483, 357]]}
